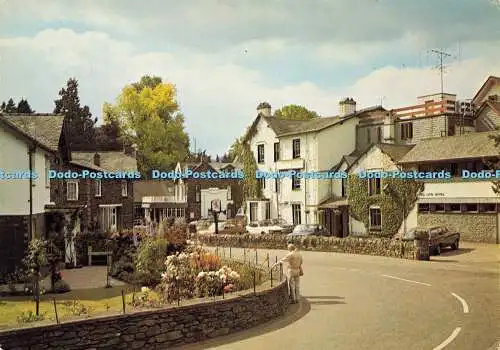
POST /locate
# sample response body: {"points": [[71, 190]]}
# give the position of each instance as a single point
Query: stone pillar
{"points": [[422, 245]]}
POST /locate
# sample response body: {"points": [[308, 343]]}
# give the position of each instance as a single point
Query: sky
{"points": [[226, 56]]}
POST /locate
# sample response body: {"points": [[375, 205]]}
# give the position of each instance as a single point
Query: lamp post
{"points": [[215, 208]]}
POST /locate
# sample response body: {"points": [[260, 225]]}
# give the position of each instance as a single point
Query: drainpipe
{"points": [[31, 150], [305, 182]]}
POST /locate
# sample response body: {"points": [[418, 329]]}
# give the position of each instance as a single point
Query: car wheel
{"points": [[437, 250], [454, 246]]}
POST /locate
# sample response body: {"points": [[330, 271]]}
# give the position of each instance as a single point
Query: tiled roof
{"points": [[473, 145], [110, 161], [147, 188], [43, 128]]}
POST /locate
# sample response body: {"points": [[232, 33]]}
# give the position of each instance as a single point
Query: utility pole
{"points": [[441, 54]]}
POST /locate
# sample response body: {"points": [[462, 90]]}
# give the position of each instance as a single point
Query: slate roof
{"points": [[395, 152], [284, 127], [109, 160], [468, 146], [146, 188], [217, 166], [45, 129]]}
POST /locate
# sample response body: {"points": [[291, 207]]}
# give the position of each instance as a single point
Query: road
{"points": [[365, 302]]}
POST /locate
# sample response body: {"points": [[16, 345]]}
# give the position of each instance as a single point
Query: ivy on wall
{"points": [[391, 206]]}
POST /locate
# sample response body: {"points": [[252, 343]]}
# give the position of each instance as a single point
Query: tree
{"points": [[148, 115], [241, 151], [217, 159], [2, 107], [295, 112], [24, 107], [80, 123], [11, 106]]}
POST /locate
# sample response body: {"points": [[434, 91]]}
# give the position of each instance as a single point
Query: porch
{"points": [[334, 216]]}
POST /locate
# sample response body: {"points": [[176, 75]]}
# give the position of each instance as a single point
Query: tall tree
{"points": [[24, 107], [149, 116], [80, 122], [11, 106], [2, 107], [295, 112], [240, 151]]}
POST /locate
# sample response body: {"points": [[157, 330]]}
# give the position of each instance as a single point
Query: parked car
{"points": [[285, 227], [307, 230], [263, 227], [222, 226], [439, 237]]}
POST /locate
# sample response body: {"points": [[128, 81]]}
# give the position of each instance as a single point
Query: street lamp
{"points": [[389, 190]]}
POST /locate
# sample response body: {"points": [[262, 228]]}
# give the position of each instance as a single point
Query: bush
{"points": [[204, 261], [151, 254], [246, 273], [61, 286], [29, 317], [178, 281]]}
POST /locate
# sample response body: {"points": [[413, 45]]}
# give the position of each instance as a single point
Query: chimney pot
{"points": [[347, 106], [264, 108]]}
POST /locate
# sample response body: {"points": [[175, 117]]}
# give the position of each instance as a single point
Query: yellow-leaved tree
{"points": [[148, 115]]}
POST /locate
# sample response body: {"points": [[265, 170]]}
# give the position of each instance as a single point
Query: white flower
{"points": [[145, 289], [202, 274]]}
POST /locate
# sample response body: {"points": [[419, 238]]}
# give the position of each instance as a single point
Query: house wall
{"points": [[15, 193], [424, 127], [473, 227], [494, 90], [459, 189], [488, 120]]}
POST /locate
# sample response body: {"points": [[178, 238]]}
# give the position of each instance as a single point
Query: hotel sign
{"points": [[438, 194]]}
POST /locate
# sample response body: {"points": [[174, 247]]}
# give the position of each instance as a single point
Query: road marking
{"points": [[464, 303], [402, 279], [449, 339]]}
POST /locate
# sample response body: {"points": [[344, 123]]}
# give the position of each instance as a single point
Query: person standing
{"points": [[294, 271]]}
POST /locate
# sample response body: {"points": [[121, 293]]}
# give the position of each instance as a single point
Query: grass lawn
{"points": [[76, 304]]}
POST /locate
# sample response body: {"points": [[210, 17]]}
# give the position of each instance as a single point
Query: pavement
{"points": [[367, 302]]}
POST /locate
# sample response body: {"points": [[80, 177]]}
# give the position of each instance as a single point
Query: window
{"points": [[344, 187], [260, 154], [277, 185], [453, 208], [470, 208], [375, 219], [229, 194], [295, 183], [253, 211], [276, 151], [47, 170], [296, 214], [439, 208], [268, 211], [124, 189], [98, 188], [109, 219], [72, 190], [262, 183], [406, 131], [373, 187], [379, 134], [197, 195], [423, 208], [296, 148], [368, 135], [487, 208]]}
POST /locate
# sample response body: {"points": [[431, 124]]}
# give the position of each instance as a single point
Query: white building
{"points": [[27, 143], [306, 146]]}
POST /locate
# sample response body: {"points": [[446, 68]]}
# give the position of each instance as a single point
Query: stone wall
{"points": [[160, 329], [354, 245], [474, 227]]}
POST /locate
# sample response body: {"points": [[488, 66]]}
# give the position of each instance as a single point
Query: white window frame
{"points": [[109, 217], [372, 191], [124, 185], [377, 228], [68, 183], [296, 214], [295, 148], [259, 159], [98, 187], [253, 211], [229, 194]]}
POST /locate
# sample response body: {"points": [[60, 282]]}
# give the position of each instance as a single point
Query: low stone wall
{"points": [[353, 245], [159, 329]]}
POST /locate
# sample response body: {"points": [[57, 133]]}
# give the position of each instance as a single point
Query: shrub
{"points": [[150, 254], [61, 286], [145, 299], [76, 308], [29, 317], [178, 279], [214, 283], [246, 273], [204, 261]]}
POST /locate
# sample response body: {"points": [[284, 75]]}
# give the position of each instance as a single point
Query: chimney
{"points": [[97, 159], [347, 106], [264, 108], [388, 128]]}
